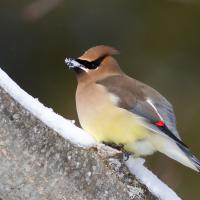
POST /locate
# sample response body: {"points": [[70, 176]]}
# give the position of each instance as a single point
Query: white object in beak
{"points": [[72, 63]]}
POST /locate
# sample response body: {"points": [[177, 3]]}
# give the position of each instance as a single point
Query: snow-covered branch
{"points": [[36, 163]]}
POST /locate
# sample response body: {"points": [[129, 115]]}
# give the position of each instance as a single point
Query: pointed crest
{"points": [[98, 52]]}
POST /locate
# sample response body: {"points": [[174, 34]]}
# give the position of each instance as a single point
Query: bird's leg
{"points": [[126, 155], [119, 147], [108, 150]]}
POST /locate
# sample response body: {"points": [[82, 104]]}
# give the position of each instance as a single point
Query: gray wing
{"points": [[162, 106], [141, 100]]}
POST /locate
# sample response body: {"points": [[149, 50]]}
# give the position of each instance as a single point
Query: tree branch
{"points": [[37, 163]]}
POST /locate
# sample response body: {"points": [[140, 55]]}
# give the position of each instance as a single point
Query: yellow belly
{"points": [[113, 124], [101, 117]]}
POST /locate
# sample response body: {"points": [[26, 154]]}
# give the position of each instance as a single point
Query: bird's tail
{"points": [[176, 151], [191, 157]]}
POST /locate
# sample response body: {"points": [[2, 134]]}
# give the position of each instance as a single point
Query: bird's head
{"points": [[95, 61]]}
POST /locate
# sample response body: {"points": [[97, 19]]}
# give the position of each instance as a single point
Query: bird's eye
{"points": [[85, 63]]}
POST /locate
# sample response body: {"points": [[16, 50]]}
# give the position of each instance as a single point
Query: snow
{"points": [[73, 64], [62, 126], [68, 130], [153, 183]]}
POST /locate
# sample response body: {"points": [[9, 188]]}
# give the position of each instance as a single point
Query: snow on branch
{"points": [[153, 183], [77, 136], [64, 127]]}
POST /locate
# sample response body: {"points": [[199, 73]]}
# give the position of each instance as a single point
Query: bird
{"points": [[117, 109]]}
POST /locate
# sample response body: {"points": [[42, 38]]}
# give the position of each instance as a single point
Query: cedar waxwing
{"points": [[115, 108]]}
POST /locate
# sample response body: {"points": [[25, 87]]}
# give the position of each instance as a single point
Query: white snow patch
{"points": [[153, 183], [68, 130], [64, 127]]}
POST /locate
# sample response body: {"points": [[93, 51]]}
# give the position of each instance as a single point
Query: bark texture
{"points": [[37, 164]]}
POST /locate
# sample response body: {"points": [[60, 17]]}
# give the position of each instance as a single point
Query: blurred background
{"points": [[159, 42]]}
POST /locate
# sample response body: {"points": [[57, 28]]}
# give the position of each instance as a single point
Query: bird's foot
{"points": [[126, 155], [119, 147], [106, 151]]}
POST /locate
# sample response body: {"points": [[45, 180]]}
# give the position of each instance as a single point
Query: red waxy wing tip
{"points": [[160, 124]]}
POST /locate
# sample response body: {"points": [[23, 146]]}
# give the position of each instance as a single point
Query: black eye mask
{"points": [[91, 64]]}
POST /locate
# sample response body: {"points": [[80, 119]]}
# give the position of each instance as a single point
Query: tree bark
{"points": [[36, 163]]}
